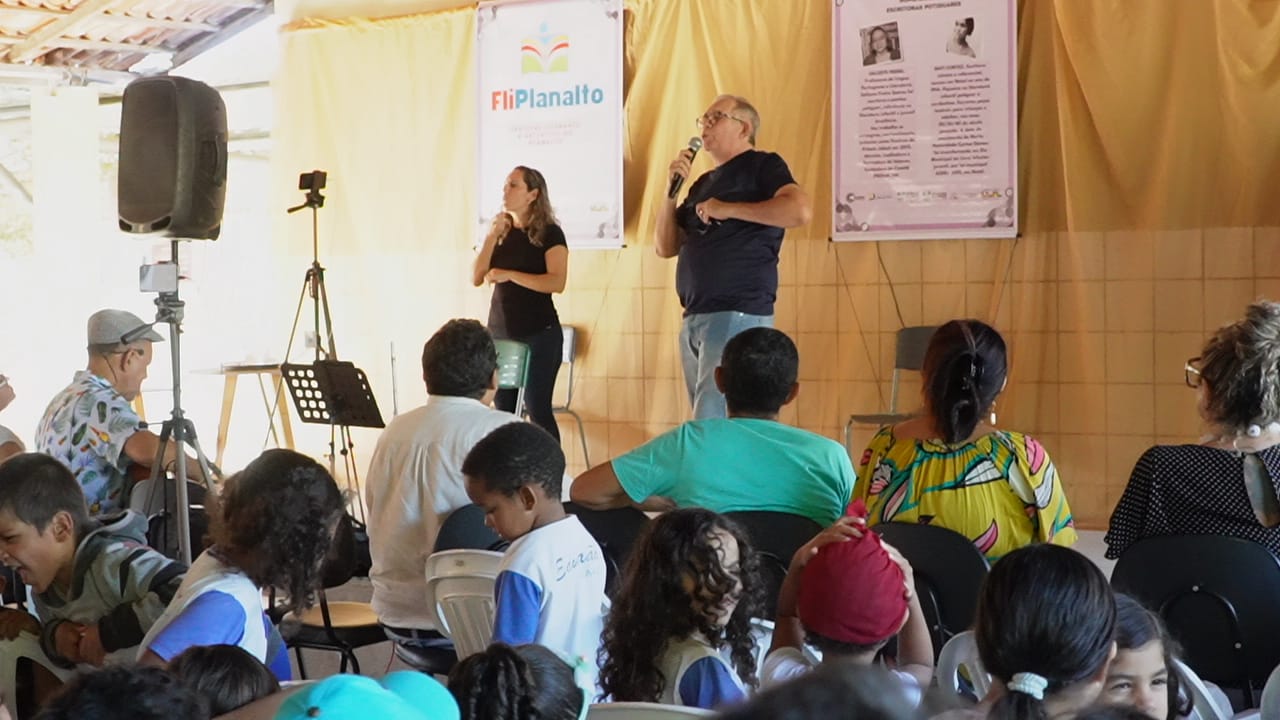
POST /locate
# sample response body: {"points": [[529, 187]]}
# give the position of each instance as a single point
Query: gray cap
{"points": [[119, 327]]}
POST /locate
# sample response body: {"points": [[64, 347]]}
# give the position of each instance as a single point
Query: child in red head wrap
{"points": [[847, 594]]}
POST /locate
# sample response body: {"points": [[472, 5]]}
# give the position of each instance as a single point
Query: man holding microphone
{"points": [[726, 234]]}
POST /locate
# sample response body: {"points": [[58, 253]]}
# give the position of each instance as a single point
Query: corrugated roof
{"points": [[98, 39]]}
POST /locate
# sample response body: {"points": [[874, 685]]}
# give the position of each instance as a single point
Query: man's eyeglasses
{"points": [[711, 118], [1191, 372]]}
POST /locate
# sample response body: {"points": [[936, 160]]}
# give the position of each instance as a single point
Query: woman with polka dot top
{"points": [[1228, 483]]}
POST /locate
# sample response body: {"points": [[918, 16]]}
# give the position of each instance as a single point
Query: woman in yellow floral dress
{"points": [[950, 467]]}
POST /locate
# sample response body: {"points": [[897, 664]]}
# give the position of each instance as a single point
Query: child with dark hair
{"points": [[950, 466], [735, 463], [528, 682], [272, 527], [120, 692], [679, 631], [550, 585], [1144, 673], [225, 676], [838, 690], [847, 594], [1045, 629], [96, 587]]}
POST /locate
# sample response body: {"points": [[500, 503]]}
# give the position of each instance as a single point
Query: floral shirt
{"points": [[86, 427], [1001, 490]]}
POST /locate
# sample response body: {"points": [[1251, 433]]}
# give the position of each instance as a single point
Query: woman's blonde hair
{"points": [[540, 213], [1241, 366]]}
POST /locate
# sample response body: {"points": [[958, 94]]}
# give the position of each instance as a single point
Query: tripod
{"points": [[178, 429], [340, 441]]}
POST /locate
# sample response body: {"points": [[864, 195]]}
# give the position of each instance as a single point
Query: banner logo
{"points": [[545, 52]]}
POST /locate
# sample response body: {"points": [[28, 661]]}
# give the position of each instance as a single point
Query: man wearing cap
{"points": [[91, 425]]}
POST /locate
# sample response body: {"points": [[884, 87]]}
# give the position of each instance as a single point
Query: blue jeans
{"points": [[702, 340]]}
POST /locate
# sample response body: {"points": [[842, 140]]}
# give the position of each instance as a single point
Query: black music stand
{"points": [[332, 392]]}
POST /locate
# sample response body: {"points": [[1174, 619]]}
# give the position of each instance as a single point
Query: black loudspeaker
{"points": [[173, 158]]}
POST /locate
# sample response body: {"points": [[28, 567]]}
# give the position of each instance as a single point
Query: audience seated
{"points": [[838, 690], [1227, 484], [550, 584], [10, 443], [1045, 630], [679, 631], [274, 526], [224, 676], [748, 461], [528, 682], [120, 692], [91, 425], [950, 467], [95, 587], [847, 594], [415, 477]]}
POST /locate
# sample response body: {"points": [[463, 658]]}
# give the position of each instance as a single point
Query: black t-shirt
{"points": [[515, 311], [733, 264]]}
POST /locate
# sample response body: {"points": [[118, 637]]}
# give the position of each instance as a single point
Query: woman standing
{"points": [[526, 259]]}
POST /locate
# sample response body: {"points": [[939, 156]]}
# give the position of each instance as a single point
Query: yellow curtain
{"points": [[1146, 127], [1149, 114]]}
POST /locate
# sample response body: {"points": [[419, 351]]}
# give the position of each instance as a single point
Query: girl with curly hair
{"points": [[679, 632], [272, 526]]}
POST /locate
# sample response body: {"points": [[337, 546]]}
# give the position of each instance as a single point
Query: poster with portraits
{"points": [[925, 119], [549, 97]]}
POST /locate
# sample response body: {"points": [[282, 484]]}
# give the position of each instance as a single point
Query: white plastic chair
{"points": [[568, 354], [460, 599], [1269, 705], [1203, 704], [961, 651], [762, 632], [27, 646], [644, 711]]}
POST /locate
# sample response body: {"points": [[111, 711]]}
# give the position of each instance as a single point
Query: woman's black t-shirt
{"points": [[516, 311]]}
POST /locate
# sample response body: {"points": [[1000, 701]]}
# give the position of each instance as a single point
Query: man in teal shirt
{"points": [[747, 461]]}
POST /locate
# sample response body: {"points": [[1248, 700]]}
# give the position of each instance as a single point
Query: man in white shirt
{"points": [[415, 477]]}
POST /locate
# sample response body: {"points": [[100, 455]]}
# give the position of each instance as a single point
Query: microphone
{"points": [[695, 144]]}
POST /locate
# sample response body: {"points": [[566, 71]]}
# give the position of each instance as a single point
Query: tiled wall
{"points": [[1099, 325]]}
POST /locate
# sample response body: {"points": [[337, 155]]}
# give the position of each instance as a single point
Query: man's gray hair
{"points": [[747, 112]]}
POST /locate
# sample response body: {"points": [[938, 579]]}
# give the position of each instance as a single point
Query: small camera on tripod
{"points": [[312, 181]]}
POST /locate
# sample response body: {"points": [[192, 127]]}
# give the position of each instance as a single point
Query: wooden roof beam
{"points": [[37, 42]]}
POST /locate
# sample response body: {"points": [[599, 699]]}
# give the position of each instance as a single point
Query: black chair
{"points": [[339, 627], [775, 537], [1219, 597], [464, 529], [616, 532], [949, 570]]}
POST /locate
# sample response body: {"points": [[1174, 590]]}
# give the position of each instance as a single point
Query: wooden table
{"points": [[231, 374]]}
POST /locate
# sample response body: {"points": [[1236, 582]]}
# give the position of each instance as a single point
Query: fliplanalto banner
{"points": [[550, 98]]}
